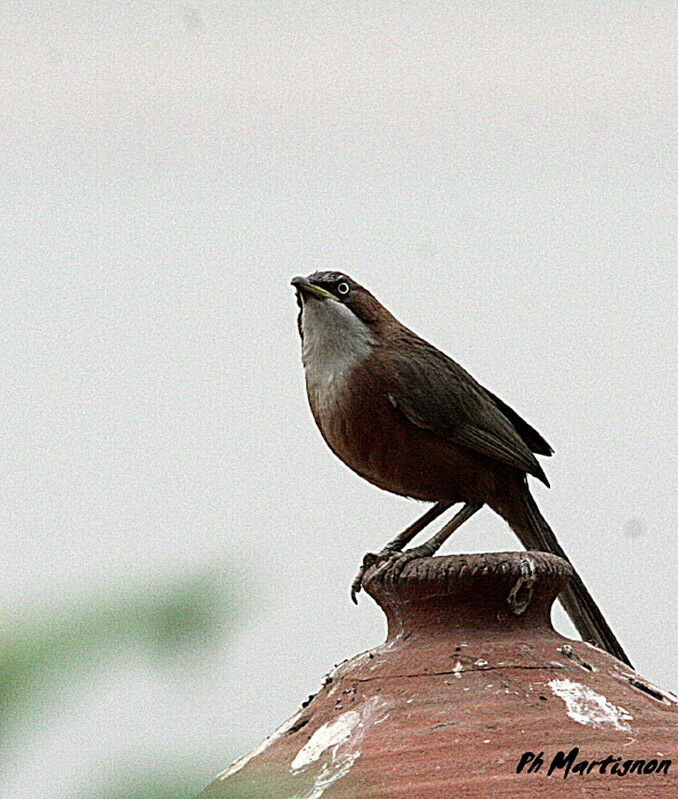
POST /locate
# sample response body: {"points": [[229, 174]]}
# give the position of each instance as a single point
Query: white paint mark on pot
{"points": [[337, 745], [457, 669], [331, 734], [585, 706], [236, 765]]}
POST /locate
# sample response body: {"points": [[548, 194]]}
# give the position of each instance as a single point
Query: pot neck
{"points": [[470, 595]]}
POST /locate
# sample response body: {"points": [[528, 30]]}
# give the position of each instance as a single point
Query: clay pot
{"points": [[471, 679]]}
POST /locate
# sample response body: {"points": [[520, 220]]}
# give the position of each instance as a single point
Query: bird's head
{"points": [[327, 298], [339, 322]]}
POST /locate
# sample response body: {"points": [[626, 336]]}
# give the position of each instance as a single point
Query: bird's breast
{"points": [[346, 402], [328, 381], [335, 344], [352, 409], [360, 424]]}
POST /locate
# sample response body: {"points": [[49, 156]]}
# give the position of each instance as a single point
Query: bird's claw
{"points": [[395, 562], [369, 559], [390, 559], [356, 586]]}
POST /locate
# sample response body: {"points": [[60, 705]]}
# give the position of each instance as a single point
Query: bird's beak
{"points": [[304, 286]]}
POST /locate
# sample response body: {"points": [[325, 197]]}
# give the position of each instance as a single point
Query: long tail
{"points": [[526, 521]]}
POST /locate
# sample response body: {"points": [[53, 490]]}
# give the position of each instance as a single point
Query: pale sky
{"points": [[500, 175]]}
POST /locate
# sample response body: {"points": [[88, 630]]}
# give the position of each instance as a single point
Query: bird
{"points": [[410, 420]]}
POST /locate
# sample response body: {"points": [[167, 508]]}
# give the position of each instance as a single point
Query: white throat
{"points": [[335, 342]]}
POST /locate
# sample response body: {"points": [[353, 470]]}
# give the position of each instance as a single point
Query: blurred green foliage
{"points": [[43, 655], [175, 783], [172, 781]]}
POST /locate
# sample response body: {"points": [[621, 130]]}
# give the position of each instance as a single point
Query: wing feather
{"points": [[437, 394]]}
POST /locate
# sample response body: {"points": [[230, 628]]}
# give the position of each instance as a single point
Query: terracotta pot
{"points": [[471, 679]]}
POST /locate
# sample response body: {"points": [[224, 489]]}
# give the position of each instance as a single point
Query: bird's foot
{"points": [[369, 560], [396, 561], [388, 559]]}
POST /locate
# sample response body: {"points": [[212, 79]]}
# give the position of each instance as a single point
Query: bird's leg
{"points": [[433, 544], [396, 545], [404, 538]]}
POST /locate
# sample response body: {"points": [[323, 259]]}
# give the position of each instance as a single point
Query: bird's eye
{"points": [[343, 288]]}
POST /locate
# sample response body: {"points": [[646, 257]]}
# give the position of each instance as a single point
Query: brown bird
{"points": [[410, 420]]}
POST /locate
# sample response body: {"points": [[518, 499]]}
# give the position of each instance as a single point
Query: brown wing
{"points": [[534, 440], [437, 394]]}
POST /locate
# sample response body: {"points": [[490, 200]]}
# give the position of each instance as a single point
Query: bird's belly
{"points": [[373, 438]]}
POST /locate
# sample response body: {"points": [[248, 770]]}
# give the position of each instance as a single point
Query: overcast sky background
{"points": [[500, 175]]}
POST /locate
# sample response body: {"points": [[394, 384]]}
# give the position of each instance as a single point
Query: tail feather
{"points": [[533, 530]]}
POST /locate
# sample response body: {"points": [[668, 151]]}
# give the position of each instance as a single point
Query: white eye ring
{"points": [[343, 287]]}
